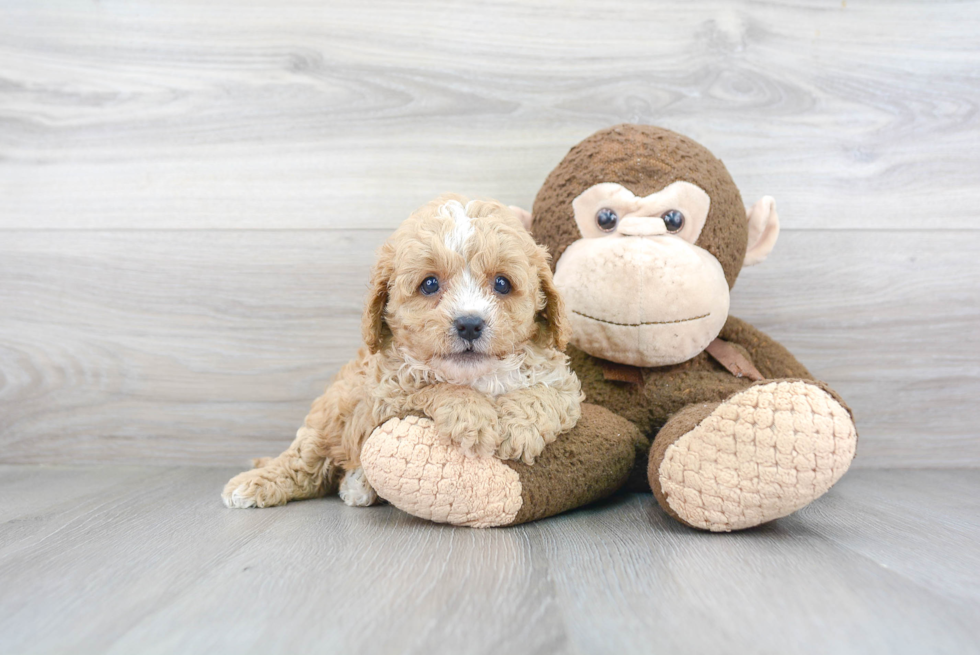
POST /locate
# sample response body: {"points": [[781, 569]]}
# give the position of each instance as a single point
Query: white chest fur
{"points": [[511, 373]]}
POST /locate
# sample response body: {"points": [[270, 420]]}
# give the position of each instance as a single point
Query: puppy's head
{"points": [[460, 285]]}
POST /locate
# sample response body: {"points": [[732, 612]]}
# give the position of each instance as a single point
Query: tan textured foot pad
{"points": [[762, 454], [414, 469]]}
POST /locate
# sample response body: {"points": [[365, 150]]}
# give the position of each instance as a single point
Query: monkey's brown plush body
{"points": [[672, 400], [648, 233]]}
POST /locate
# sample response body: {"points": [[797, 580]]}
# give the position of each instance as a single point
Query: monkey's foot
{"points": [[414, 469], [417, 471], [760, 455]]}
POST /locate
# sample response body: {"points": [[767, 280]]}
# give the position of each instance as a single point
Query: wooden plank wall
{"points": [[190, 193]]}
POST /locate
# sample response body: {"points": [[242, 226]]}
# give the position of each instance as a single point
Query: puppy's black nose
{"points": [[469, 327]]}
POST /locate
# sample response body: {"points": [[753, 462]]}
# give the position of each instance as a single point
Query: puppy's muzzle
{"points": [[469, 328]]}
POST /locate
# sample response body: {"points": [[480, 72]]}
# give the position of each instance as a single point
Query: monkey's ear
{"points": [[522, 214], [552, 315], [763, 230], [374, 329]]}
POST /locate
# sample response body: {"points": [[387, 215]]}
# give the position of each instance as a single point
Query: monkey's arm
{"points": [[768, 355]]}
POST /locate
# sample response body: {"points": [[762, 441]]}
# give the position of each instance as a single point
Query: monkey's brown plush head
{"points": [[647, 233]]}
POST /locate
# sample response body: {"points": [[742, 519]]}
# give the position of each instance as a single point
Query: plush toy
{"points": [[648, 234]]}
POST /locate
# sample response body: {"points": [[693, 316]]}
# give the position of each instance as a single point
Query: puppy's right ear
{"points": [[552, 316], [374, 329]]}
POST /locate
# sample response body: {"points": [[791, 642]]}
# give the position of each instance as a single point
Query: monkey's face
{"points": [[650, 233], [638, 289]]}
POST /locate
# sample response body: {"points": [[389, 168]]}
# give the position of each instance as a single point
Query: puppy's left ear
{"points": [[551, 317], [374, 329]]}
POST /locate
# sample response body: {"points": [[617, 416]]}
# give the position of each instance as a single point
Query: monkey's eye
{"points": [[607, 219], [674, 220], [429, 285], [501, 285]]}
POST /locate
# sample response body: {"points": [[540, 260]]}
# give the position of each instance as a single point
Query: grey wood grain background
{"points": [[190, 194]]}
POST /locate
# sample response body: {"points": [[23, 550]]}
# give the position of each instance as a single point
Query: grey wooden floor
{"points": [[146, 560]]}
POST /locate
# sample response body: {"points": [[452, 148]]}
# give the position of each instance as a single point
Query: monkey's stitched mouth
{"points": [[682, 320]]}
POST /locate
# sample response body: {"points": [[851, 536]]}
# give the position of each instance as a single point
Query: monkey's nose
{"points": [[469, 328], [642, 226]]}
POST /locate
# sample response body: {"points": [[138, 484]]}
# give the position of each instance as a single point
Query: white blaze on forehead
{"points": [[463, 228], [467, 296]]}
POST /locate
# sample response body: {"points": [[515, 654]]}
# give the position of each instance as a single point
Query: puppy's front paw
{"points": [[256, 488], [356, 491], [521, 440], [473, 425]]}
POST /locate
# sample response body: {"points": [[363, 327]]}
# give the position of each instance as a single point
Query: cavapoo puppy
{"points": [[464, 325]]}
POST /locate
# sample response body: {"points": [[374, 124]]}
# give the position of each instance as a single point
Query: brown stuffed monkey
{"points": [[647, 233]]}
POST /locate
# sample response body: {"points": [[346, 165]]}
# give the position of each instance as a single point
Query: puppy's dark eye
{"points": [[501, 285], [429, 285], [674, 220], [607, 219]]}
